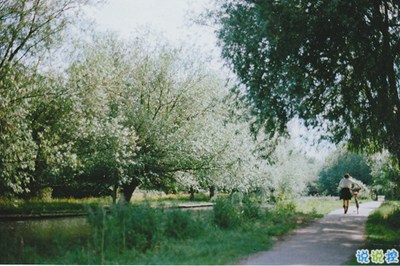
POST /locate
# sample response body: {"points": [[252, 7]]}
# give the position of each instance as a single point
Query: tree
{"points": [[341, 162], [332, 63], [160, 94], [384, 175], [51, 119], [28, 29], [106, 146]]}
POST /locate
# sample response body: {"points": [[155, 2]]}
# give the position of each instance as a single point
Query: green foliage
{"points": [[122, 115], [48, 206], [33, 240], [332, 63], [32, 108], [17, 146], [385, 172], [251, 206], [287, 205], [226, 213], [140, 124], [347, 162], [124, 227], [183, 225], [31, 142], [237, 209]]}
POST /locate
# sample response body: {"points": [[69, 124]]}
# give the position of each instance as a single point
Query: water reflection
{"points": [[44, 226], [21, 240]]}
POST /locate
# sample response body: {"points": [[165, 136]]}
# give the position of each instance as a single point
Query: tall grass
{"points": [[383, 225], [318, 205]]}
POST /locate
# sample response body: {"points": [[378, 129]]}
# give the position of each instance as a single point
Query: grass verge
{"points": [[382, 230]]}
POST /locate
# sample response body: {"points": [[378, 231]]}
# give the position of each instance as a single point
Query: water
{"points": [[20, 241], [74, 225]]}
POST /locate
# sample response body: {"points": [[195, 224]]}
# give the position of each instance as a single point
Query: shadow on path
{"points": [[331, 240]]}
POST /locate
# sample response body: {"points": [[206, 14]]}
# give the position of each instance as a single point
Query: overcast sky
{"points": [[172, 18]]}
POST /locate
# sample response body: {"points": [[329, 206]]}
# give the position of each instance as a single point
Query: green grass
{"points": [[383, 226], [383, 229], [317, 205], [138, 234], [56, 206]]}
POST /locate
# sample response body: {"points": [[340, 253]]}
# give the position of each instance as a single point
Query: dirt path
{"points": [[331, 240]]}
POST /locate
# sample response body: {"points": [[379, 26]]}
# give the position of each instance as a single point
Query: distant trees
{"points": [[341, 162], [377, 171]]}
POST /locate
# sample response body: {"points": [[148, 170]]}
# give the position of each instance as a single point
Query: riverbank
{"points": [[142, 235], [18, 209], [48, 210]]}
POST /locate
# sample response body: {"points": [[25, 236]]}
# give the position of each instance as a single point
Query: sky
{"points": [[173, 19]]}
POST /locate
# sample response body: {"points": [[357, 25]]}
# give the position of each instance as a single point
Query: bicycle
{"points": [[355, 192]]}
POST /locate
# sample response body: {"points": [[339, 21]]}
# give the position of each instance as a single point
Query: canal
{"points": [[20, 241]]}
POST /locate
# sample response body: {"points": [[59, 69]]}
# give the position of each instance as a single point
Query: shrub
{"points": [[251, 207], [45, 193], [124, 226], [226, 213], [142, 227], [236, 210], [182, 224], [393, 219]]}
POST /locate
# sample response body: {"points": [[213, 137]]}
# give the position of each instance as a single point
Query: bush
{"points": [[236, 210], [139, 228], [182, 225], [226, 213], [45, 193], [124, 226], [251, 207], [393, 219]]}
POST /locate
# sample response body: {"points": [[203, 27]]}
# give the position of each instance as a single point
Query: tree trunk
{"points": [[398, 174], [191, 192], [128, 189], [115, 193], [212, 192]]}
